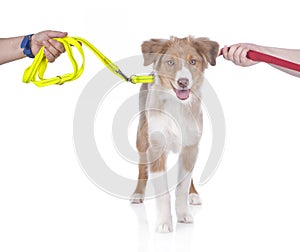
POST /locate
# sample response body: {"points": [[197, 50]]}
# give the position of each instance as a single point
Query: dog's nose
{"points": [[183, 82]]}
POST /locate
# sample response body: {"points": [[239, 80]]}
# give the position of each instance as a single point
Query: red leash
{"points": [[258, 56]]}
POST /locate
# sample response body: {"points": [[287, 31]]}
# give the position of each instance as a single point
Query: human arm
{"points": [[11, 50], [237, 54]]}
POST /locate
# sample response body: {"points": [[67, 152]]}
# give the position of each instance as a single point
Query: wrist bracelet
{"points": [[26, 42]]}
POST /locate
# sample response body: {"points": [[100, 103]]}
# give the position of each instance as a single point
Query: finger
{"points": [[51, 49], [237, 55], [231, 51], [244, 59], [225, 52], [57, 45], [49, 55]]}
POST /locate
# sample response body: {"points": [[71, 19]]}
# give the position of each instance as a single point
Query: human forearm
{"points": [[292, 55], [10, 49]]}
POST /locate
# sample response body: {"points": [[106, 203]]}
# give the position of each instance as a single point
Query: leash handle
{"points": [[262, 57], [35, 72]]}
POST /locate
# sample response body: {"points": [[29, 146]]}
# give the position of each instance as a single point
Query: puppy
{"points": [[171, 120]]}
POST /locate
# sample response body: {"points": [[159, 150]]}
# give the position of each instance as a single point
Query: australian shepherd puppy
{"points": [[171, 120]]}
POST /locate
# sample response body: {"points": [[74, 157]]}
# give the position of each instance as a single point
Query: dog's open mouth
{"points": [[181, 94]]}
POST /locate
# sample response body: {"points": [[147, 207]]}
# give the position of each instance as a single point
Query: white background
{"points": [[251, 204]]}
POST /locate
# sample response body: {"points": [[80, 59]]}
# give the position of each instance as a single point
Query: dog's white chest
{"points": [[175, 122]]}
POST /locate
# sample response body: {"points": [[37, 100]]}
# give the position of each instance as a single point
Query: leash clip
{"points": [[130, 79], [119, 72]]}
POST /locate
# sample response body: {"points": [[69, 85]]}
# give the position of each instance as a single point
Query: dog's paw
{"points": [[137, 198], [164, 228], [185, 218], [194, 199]]}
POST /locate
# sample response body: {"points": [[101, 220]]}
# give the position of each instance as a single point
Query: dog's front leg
{"points": [[158, 175], [186, 164]]}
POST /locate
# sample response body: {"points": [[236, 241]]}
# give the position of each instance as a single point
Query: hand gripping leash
{"points": [[258, 56], [35, 72]]}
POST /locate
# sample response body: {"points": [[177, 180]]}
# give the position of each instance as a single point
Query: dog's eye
{"points": [[192, 62], [171, 62]]}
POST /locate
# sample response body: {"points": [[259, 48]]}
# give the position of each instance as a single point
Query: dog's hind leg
{"points": [[194, 198], [139, 193]]}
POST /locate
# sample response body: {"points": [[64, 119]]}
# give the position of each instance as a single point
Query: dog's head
{"points": [[180, 63]]}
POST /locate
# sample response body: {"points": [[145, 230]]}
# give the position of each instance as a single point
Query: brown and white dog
{"points": [[171, 120]]}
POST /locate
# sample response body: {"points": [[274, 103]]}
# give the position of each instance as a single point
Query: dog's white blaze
{"points": [[184, 72]]}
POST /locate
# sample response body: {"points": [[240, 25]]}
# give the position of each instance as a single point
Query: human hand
{"points": [[238, 54], [53, 48]]}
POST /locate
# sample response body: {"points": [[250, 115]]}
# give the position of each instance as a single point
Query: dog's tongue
{"points": [[182, 94]]}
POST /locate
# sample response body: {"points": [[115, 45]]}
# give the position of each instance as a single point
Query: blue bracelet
{"points": [[26, 45]]}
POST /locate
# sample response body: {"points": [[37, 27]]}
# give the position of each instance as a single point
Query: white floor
{"points": [[64, 211]]}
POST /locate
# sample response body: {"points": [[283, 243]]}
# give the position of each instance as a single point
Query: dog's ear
{"points": [[153, 49], [207, 48]]}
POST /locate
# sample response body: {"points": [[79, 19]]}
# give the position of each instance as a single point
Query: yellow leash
{"points": [[35, 72]]}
